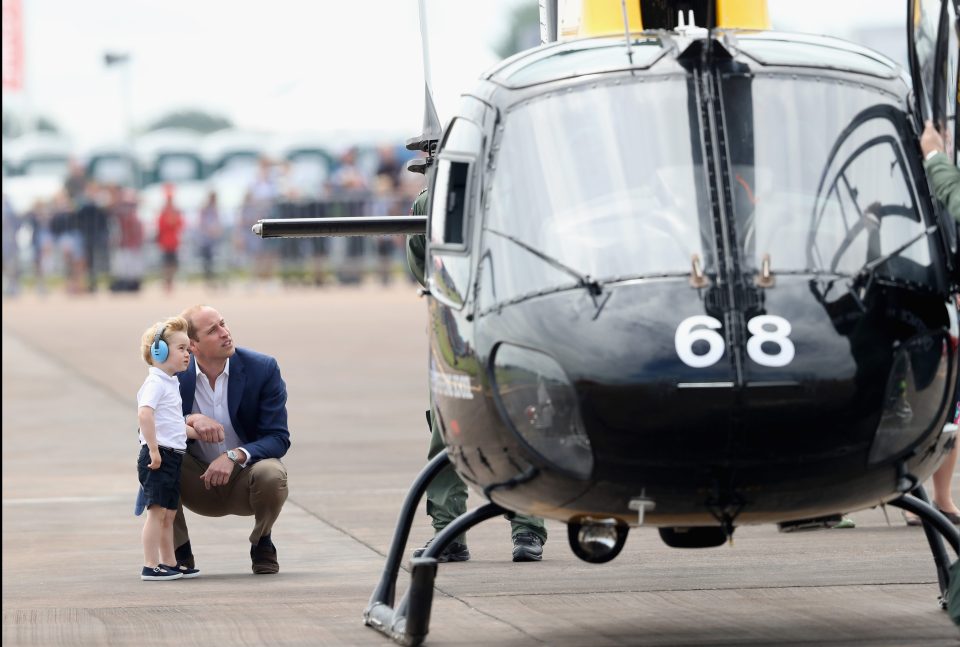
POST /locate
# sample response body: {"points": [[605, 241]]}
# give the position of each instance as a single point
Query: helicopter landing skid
{"points": [[936, 527], [409, 623]]}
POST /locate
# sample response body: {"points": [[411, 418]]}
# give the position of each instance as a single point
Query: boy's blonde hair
{"points": [[171, 325]]}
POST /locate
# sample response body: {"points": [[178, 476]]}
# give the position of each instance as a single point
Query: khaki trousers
{"points": [[259, 490]]}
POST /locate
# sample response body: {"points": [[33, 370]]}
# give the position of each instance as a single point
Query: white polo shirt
{"points": [[161, 392]]}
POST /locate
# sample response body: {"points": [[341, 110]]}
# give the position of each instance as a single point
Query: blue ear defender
{"points": [[159, 350]]}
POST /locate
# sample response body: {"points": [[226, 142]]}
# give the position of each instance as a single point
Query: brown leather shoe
{"points": [[264, 557]]}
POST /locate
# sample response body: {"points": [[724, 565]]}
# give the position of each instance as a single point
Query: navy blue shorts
{"points": [[160, 486]]}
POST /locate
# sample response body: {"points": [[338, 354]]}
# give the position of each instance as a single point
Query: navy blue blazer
{"points": [[256, 399]]}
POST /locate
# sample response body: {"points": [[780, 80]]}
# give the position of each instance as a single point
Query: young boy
{"points": [[163, 441]]}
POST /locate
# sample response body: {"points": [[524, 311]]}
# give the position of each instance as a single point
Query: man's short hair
{"points": [[188, 315]]}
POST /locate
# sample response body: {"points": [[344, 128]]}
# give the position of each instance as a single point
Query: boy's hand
{"points": [[155, 459], [208, 430]]}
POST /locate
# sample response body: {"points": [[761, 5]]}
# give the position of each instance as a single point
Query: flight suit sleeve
{"points": [[417, 243], [944, 182]]}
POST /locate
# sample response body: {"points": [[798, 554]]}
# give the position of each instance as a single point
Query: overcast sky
{"points": [[282, 65], [291, 65]]}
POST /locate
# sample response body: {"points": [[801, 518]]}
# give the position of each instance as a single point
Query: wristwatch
{"points": [[234, 456]]}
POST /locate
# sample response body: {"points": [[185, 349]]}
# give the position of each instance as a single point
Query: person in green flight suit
{"points": [[944, 179], [944, 176], [447, 493]]}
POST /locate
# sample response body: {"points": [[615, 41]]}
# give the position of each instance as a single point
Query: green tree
{"points": [[524, 30], [198, 120]]}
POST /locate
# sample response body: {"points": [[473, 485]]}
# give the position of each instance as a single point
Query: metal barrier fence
{"points": [[236, 254]]}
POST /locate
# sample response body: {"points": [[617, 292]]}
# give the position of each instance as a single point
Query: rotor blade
{"points": [[548, 21], [351, 226], [431, 121]]}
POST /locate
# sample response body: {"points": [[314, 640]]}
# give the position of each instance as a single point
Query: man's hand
{"points": [[155, 459], [208, 429], [218, 473], [930, 140]]}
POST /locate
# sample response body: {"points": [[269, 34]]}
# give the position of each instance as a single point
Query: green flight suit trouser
{"points": [[447, 497], [944, 182], [447, 493]]}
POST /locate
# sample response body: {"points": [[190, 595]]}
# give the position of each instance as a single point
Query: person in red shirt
{"points": [[169, 226]]}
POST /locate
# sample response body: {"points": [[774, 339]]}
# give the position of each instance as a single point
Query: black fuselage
{"points": [[710, 278]]}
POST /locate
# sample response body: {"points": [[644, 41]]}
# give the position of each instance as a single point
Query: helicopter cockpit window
{"points": [[830, 54], [932, 46], [606, 181], [451, 197], [925, 26], [951, 69], [447, 213], [834, 203], [577, 58]]}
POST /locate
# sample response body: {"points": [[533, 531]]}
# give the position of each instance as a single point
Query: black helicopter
{"points": [[689, 277]]}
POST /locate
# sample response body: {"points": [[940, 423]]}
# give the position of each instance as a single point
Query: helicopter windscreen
{"points": [[605, 179], [828, 203]]}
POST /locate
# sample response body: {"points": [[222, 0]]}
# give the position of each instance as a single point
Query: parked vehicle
{"points": [[233, 152], [170, 155], [38, 153], [310, 162], [113, 164]]}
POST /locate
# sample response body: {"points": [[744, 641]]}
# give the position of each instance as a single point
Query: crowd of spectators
{"points": [[92, 236]]}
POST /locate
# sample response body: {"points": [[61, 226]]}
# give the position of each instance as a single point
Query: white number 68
{"points": [[765, 328]]}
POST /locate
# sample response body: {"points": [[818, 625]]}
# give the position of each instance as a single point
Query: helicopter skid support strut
{"points": [[409, 622], [936, 527]]}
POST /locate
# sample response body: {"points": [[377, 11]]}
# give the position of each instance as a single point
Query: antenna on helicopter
{"points": [[428, 139], [690, 28]]}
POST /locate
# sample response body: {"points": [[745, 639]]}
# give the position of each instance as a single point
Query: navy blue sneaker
{"points": [[159, 573]]}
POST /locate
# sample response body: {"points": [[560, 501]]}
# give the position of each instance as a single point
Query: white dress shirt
{"points": [[213, 404]]}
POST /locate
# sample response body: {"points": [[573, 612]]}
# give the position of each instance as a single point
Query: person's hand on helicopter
{"points": [[208, 430], [931, 141]]}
